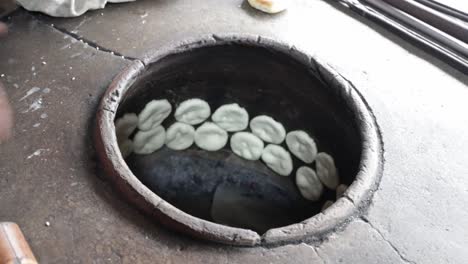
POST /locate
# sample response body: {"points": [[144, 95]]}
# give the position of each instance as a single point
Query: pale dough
{"points": [[154, 114], [192, 111], [247, 145], [301, 145], [211, 137], [125, 126], [180, 136], [269, 6], [340, 190], [308, 183], [126, 147], [65, 8], [146, 142], [231, 117], [326, 170], [327, 204], [267, 129], [278, 159]]}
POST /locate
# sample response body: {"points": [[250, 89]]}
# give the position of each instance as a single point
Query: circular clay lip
{"points": [[353, 204]]}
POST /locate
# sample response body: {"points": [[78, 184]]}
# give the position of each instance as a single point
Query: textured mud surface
{"points": [[48, 170]]}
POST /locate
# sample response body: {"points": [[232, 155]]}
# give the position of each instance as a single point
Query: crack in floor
{"points": [[320, 256], [315, 250], [91, 43], [388, 242], [83, 40]]}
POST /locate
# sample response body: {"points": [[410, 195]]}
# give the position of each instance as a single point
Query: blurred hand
{"points": [[6, 116], [6, 113], [3, 29]]}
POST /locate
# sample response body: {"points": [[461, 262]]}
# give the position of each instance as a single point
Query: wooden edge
{"points": [[14, 249]]}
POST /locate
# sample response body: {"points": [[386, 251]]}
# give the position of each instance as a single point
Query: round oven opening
{"points": [[218, 195]]}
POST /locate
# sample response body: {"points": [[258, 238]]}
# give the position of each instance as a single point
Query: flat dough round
{"points": [[231, 117], [269, 6], [308, 183], [211, 137], [277, 159], [154, 114], [301, 145], [146, 142], [125, 126], [327, 204], [192, 111], [267, 129], [180, 136], [326, 170], [247, 145], [126, 147], [340, 190]]}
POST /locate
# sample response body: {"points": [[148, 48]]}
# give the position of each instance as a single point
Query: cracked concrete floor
{"points": [[49, 171]]}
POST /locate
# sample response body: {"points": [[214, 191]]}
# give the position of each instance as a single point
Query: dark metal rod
{"points": [[424, 28], [434, 18], [448, 55], [445, 9]]}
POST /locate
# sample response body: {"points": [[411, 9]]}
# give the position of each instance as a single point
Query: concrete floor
{"points": [[49, 171]]}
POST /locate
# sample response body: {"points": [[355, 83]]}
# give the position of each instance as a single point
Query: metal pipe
{"points": [[446, 23], [382, 16]]}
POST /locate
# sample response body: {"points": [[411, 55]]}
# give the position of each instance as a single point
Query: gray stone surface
{"points": [[421, 206], [418, 215], [359, 243]]}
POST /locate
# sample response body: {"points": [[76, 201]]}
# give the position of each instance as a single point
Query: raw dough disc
{"points": [[180, 136], [125, 126], [308, 183], [269, 6], [268, 129], [278, 159], [65, 8], [301, 145], [327, 204], [211, 137], [231, 117], [326, 170], [126, 147], [247, 145], [340, 190], [154, 114], [146, 142], [192, 111]]}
